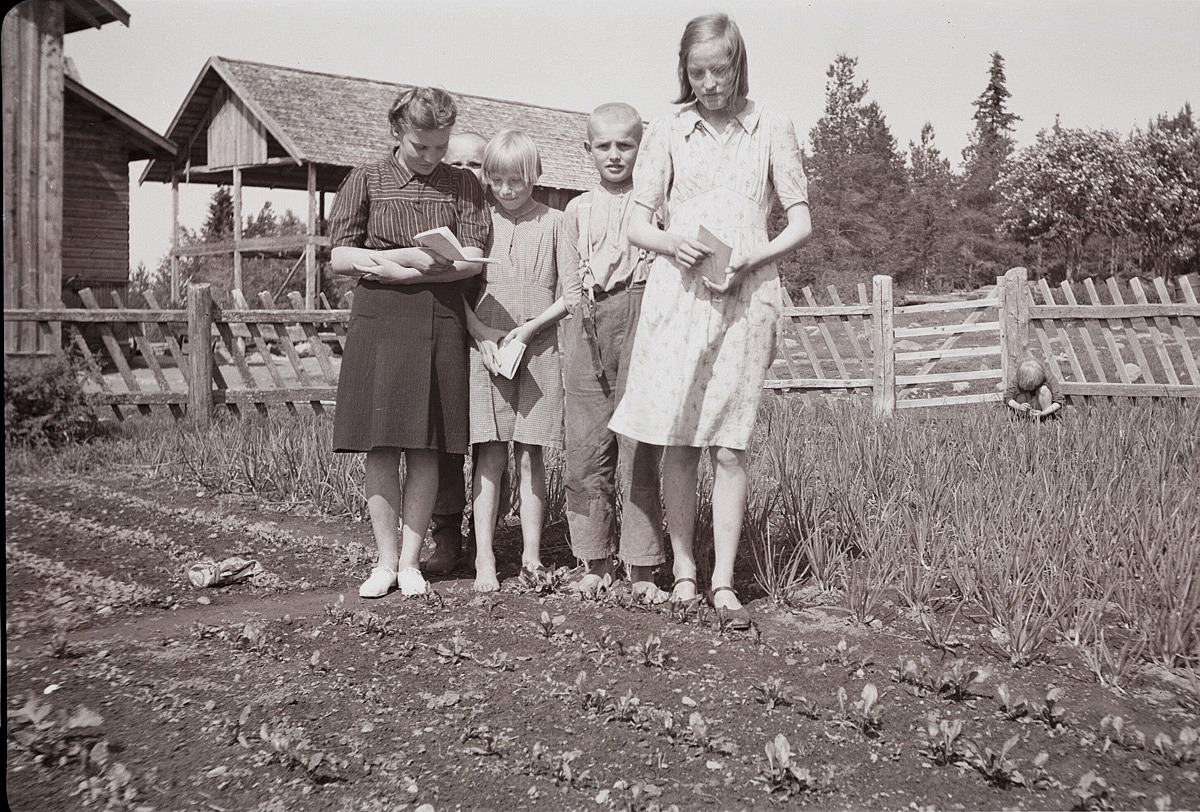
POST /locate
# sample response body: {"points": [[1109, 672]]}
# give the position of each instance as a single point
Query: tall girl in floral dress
{"points": [[402, 389], [703, 348]]}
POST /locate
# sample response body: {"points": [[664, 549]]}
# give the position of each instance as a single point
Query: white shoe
{"points": [[411, 581], [378, 584]]}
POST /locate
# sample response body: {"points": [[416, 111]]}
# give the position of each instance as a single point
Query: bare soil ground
{"points": [[127, 688]]}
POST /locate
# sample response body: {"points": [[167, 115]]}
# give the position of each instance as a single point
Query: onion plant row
{"points": [[1084, 530]]}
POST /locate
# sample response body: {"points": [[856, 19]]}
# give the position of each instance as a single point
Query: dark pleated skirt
{"points": [[404, 380]]}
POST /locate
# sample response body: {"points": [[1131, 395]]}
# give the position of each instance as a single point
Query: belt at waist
{"points": [[601, 295]]}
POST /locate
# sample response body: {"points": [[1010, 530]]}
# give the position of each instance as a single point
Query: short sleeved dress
{"points": [[699, 359], [403, 380], [528, 408]]}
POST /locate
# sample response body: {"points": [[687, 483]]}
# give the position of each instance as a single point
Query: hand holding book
{"points": [[441, 240]]}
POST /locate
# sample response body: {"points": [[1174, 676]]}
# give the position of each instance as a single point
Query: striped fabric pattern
{"points": [[404, 380]]}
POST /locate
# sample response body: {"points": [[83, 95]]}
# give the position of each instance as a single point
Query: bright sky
{"points": [[1095, 63]]}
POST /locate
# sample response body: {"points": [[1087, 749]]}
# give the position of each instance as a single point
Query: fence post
{"points": [[200, 354], [1014, 321], [884, 341]]}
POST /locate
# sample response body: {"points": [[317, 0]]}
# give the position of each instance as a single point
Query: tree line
{"points": [[1077, 202]]}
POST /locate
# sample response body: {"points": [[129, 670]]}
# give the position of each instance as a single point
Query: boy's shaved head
{"points": [[618, 114]]}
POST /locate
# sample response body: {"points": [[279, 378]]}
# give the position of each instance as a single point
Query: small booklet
{"points": [[714, 267], [510, 358], [443, 241]]}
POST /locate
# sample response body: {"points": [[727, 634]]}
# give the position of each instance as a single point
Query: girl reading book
{"points": [[402, 389]]}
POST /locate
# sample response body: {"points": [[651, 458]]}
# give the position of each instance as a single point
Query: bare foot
{"points": [[486, 582], [591, 584], [648, 592], [599, 576], [486, 579]]}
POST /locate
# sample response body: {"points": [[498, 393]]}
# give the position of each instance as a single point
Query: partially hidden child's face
{"points": [[711, 75], [613, 144], [510, 188], [422, 150], [467, 153]]}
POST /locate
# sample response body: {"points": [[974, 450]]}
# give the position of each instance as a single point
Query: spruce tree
{"points": [[983, 250], [857, 186]]}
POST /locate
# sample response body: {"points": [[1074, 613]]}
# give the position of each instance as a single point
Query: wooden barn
{"points": [[99, 141], [250, 124], [66, 168]]}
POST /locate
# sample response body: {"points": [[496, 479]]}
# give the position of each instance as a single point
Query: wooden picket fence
{"points": [[281, 356], [1106, 340], [960, 352]]}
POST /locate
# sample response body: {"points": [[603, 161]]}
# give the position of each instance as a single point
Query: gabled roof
{"points": [[339, 122], [143, 142], [81, 14]]}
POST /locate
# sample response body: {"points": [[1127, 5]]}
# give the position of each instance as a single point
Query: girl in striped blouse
{"points": [[402, 388]]}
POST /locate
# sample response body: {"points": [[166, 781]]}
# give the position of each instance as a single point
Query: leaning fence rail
{"points": [[1110, 340]]}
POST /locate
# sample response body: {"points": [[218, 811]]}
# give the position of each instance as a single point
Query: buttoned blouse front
{"points": [[402, 383], [700, 358]]}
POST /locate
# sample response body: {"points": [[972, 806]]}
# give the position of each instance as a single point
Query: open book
{"points": [[510, 358], [443, 241], [714, 266]]}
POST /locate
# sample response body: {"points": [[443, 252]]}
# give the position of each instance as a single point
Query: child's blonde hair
{"points": [[423, 108], [513, 151], [1031, 374], [706, 28]]}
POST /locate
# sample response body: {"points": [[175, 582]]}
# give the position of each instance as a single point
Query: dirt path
{"points": [[281, 694]]}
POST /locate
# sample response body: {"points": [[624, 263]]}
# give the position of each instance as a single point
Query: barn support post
{"points": [[237, 228], [883, 340], [1014, 321], [200, 353], [310, 247], [174, 241]]}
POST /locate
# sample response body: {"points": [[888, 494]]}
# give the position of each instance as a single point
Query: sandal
{"points": [[411, 582], [689, 603], [378, 583], [736, 619]]}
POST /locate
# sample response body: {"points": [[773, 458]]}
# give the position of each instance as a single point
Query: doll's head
{"points": [[712, 62], [511, 167], [1030, 374]]}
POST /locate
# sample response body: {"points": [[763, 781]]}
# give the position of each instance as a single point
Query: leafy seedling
{"points": [[650, 653], [944, 741], [547, 625], [995, 765], [772, 693], [863, 715], [784, 777], [455, 651], [498, 661], [1092, 793], [1013, 709]]}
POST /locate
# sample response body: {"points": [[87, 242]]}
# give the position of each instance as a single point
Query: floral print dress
{"points": [[700, 359]]}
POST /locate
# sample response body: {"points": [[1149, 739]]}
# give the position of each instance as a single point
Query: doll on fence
{"points": [[1033, 393]]}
